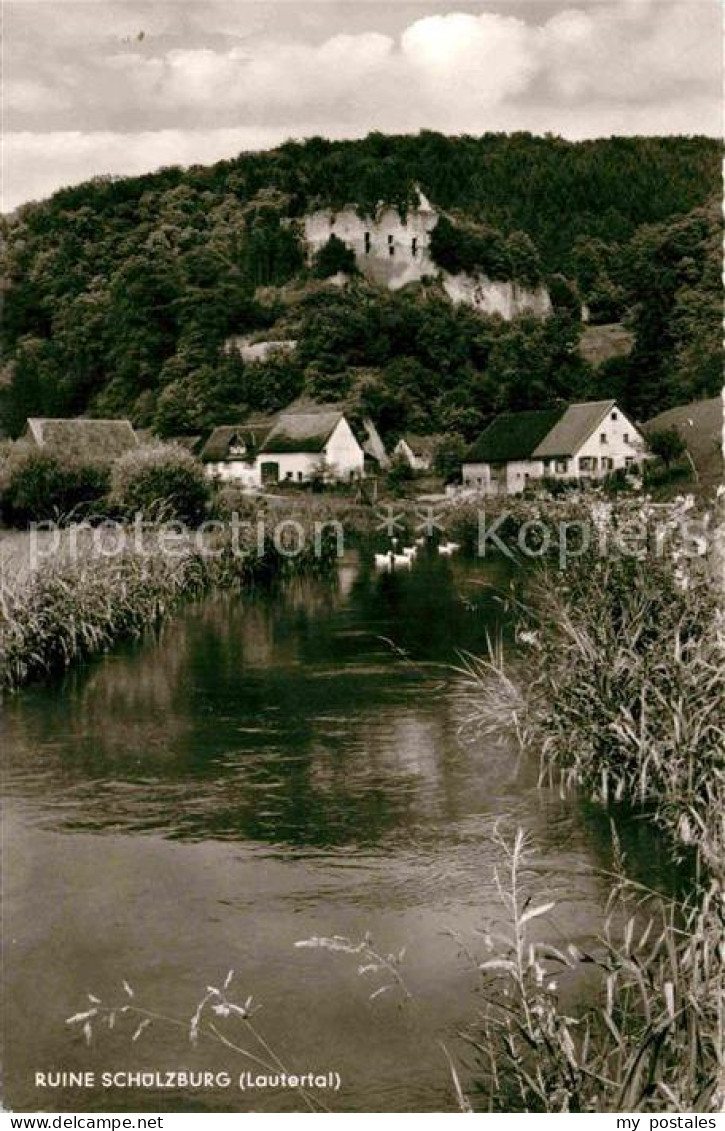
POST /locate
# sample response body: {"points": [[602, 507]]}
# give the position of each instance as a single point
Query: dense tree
{"points": [[674, 281], [332, 258], [667, 444], [120, 292]]}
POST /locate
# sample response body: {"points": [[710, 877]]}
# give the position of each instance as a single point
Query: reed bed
{"points": [[650, 1040], [621, 696], [76, 602]]}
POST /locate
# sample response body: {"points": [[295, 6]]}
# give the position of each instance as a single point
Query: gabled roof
{"points": [[301, 431], [251, 433], [573, 429], [513, 435], [95, 441], [420, 445]]}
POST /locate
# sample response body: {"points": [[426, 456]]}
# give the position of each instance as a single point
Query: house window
{"points": [[607, 463], [613, 416], [414, 247], [300, 476], [587, 463], [391, 245], [289, 475], [602, 437], [561, 466], [625, 437], [368, 243], [628, 461]]}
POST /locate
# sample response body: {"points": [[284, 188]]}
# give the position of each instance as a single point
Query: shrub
{"points": [[398, 475], [668, 445], [448, 457], [160, 481], [333, 257], [36, 486]]}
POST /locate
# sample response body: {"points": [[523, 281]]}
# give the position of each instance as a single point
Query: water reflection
{"points": [[316, 717], [267, 769]]}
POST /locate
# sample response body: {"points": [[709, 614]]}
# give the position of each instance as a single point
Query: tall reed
{"points": [[621, 694], [76, 605]]}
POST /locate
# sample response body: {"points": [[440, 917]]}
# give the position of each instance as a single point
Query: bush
{"points": [[160, 481], [398, 475], [667, 444], [36, 486], [333, 257]]}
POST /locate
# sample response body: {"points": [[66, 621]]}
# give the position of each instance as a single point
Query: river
{"points": [[264, 770]]}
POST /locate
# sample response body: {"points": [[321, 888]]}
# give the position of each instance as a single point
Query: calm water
{"points": [[267, 770]]}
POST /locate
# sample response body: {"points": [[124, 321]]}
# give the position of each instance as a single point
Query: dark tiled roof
{"points": [[513, 435]]}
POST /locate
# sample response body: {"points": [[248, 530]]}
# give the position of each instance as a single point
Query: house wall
{"points": [[344, 456], [298, 466], [509, 479], [235, 471], [520, 473], [616, 448], [476, 475]]}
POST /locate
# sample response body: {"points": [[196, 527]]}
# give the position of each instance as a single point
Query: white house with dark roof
{"points": [[581, 441], [294, 446]]}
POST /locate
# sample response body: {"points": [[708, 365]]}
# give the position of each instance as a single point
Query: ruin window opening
{"points": [[414, 247], [391, 245], [367, 243]]}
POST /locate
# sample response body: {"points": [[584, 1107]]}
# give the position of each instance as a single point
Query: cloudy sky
{"points": [[108, 86]]}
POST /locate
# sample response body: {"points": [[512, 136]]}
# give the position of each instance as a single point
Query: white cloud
{"points": [[486, 57], [90, 98]]}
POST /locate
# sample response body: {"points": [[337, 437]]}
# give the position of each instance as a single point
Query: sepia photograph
{"points": [[362, 561]]}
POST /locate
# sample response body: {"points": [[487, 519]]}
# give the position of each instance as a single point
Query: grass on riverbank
{"points": [[78, 601], [623, 698]]}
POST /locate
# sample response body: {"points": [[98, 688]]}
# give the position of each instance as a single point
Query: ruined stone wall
{"points": [[388, 250], [391, 252]]}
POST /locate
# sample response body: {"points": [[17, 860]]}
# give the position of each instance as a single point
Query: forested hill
{"points": [[120, 291]]}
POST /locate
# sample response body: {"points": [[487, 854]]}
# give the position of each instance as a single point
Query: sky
{"points": [[112, 87]]}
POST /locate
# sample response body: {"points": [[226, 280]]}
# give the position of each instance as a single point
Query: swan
{"points": [[391, 560]]}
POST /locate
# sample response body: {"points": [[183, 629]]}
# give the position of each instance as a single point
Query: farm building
{"points": [[80, 438], [294, 446], [581, 441]]}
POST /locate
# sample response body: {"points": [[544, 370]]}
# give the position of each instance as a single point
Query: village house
{"points": [[81, 438], [581, 441], [294, 446], [417, 451]]}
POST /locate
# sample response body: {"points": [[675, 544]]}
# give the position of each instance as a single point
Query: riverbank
{"points": [[621, 699], [72, 594]]}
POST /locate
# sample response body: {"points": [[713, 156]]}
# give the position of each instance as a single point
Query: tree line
{"points": [[120, 293]]}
